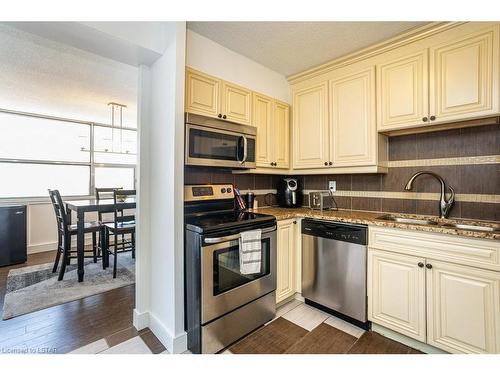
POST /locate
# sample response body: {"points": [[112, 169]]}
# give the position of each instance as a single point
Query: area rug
{"points": [[35, 288]]}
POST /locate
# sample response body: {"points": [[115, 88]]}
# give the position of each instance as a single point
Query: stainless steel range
{"points": [[221, 303]]}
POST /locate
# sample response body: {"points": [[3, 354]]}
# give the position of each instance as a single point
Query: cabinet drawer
{"points": [[460, 250]]}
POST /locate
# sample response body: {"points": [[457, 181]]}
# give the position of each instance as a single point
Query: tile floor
{"points": [[309, 318], [294, 311]]}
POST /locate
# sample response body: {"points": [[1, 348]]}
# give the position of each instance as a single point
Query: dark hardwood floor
{"points": [[63, 328]]}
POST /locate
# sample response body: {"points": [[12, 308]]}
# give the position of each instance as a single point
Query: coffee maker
{"points": [[289, 193]]}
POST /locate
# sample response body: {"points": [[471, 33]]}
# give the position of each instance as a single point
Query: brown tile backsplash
{"points": [[465, 179]]}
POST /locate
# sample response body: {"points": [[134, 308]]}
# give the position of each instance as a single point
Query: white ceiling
{"points": [[292, 47]]}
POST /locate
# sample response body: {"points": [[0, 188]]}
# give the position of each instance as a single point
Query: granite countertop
{"points": [[370, 218]]}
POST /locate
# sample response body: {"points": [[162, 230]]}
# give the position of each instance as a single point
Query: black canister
{"points": [[249, 198]]}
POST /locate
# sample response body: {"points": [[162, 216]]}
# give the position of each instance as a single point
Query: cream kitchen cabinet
{"points": [[210, 96], [353, 136], [453, 76], [463, 308], [286, 262], [236, 103], [402, 92], [281, 134], [464, 76], [396, 292], [423, 285], [271, 118], [334, 124], [202, 94], [311, 142]]}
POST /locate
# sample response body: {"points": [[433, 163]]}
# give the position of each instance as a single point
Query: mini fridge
{"points": [[12, 234]]}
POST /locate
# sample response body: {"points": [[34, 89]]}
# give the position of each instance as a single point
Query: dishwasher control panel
{"points": [[335, 231]]}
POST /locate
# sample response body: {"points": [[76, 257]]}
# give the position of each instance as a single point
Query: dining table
{"points": [[81, 207]]}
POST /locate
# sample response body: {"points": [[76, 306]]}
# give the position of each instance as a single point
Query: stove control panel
{"points": [[208, 192]]}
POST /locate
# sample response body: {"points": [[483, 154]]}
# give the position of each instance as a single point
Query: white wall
{"points": [[164, 312], [212, 58]]}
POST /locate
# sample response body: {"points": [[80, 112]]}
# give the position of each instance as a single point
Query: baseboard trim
{"points": [[140, 320], [408, 341], [174, 344]]}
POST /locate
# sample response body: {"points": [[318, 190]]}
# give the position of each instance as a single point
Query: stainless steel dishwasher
{"points": [[334, 268]]}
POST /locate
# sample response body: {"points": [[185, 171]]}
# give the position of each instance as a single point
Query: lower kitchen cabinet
{"points": [[286, 259], [463, 308], [430, 298], [396, 293]]}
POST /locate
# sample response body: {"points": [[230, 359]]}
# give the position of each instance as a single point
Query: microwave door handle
{"points": [[245, 149]]}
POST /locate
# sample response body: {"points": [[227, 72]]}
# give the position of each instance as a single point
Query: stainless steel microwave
{"points": [[219, 143]]}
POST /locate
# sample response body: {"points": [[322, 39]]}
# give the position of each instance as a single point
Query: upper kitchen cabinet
{"points": [[402, 92], [281, 134], [202, 94], [210, 96], [236, 103], [353, 119], [263, 120], [445, 78], [271, 117], [311, 145], [464, 76]]}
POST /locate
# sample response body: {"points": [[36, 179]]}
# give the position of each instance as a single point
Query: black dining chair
{"points": [[104, 193], [64, 233], [124, 223]]}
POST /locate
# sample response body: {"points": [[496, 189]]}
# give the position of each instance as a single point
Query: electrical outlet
{"points": [[332, 185]]}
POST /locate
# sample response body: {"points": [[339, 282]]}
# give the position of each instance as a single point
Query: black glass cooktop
{"points": [[222, 220]]}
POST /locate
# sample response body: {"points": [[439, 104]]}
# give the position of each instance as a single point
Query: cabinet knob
{"points": [[428, 265], [330, 163], [425, 119], [219, 115], [224, 117], [294, 222], [432, 118], [420, 264], [326, 163]]}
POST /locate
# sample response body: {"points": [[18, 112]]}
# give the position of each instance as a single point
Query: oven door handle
{"points": [[215, 240]]}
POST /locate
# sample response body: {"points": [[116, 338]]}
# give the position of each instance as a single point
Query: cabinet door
{"points": [[463, 308], [263, 120], [353, 121], [464, 77], [396, 293], [236, 103], [285, 281], [202, 94], [310, 127], [402, 92], [281, 135]]}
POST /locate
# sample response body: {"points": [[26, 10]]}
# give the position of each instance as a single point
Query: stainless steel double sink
{"points": [[445, 224]]}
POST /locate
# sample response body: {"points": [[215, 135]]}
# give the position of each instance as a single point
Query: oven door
{"points": [[224, 288], [207, 146]]}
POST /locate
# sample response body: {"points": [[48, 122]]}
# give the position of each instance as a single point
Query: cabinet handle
{"points": [[432, 118], [326, 163], [294, 222], [330, 163], [224, 117], [420, 264], [425, 119], [219, 115], [428, 266]]}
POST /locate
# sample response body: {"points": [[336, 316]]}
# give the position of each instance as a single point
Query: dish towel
{"points": [[250, 252]]}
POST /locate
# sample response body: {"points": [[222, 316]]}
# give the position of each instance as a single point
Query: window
{"points": [[114, 177], [38, 152]]}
